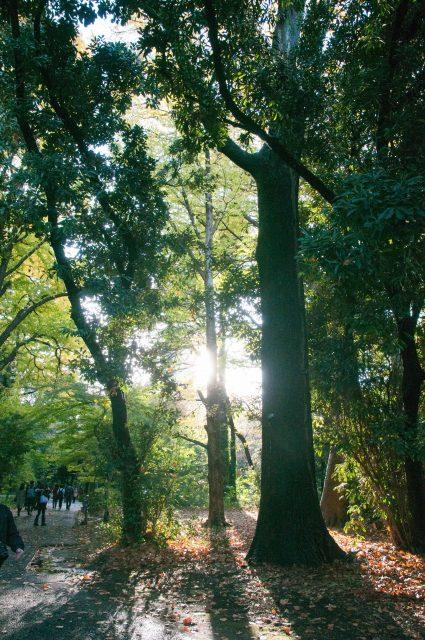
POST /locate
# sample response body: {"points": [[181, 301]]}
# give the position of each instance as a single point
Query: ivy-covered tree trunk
{"points": [[333, 503], [413, 377], [290, 528], [133, 524]]}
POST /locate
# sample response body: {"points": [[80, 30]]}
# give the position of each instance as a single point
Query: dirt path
{"points": [[201, 587], [29, 590]]}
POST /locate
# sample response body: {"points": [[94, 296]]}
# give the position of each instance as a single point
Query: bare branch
{"points": [[3, 268], [251, 219], [14, 352], [195, 262], [235, 235], [245, 447], [192, 440], [25, 312], [202, 398], [24, 258], [191, 214]]}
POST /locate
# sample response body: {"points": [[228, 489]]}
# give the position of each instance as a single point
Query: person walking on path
{"points": [[31, 497], [60, 497], [9, 535], [69, 494], [20, 498], [42, 500], [55, 496]]}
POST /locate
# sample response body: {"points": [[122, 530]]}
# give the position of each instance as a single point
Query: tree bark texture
{"points": [[412, 379]]}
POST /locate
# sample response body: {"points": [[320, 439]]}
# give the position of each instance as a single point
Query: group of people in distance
{"points": [[67, 493], [35, 497]]}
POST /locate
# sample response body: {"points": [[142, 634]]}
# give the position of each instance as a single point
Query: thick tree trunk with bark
{"points": [[413, 377], [290, 528], [333, 503]]}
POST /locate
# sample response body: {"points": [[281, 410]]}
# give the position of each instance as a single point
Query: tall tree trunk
{"points": [[290, 527], [134, 524], [216, 481], [229, 433], [215, 403], [333, 503], [412, 379]]}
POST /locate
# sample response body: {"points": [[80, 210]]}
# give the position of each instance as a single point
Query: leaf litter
{"points": [[201, 579]]}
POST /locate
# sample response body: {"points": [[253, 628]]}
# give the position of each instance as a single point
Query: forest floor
{"points": [[69, 585]]}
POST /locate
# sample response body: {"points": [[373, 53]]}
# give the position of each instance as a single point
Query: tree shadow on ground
{"points": [[146, 594], [83, 614], [228, 591], [333, 602], [208, 590], [147, 601]]}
